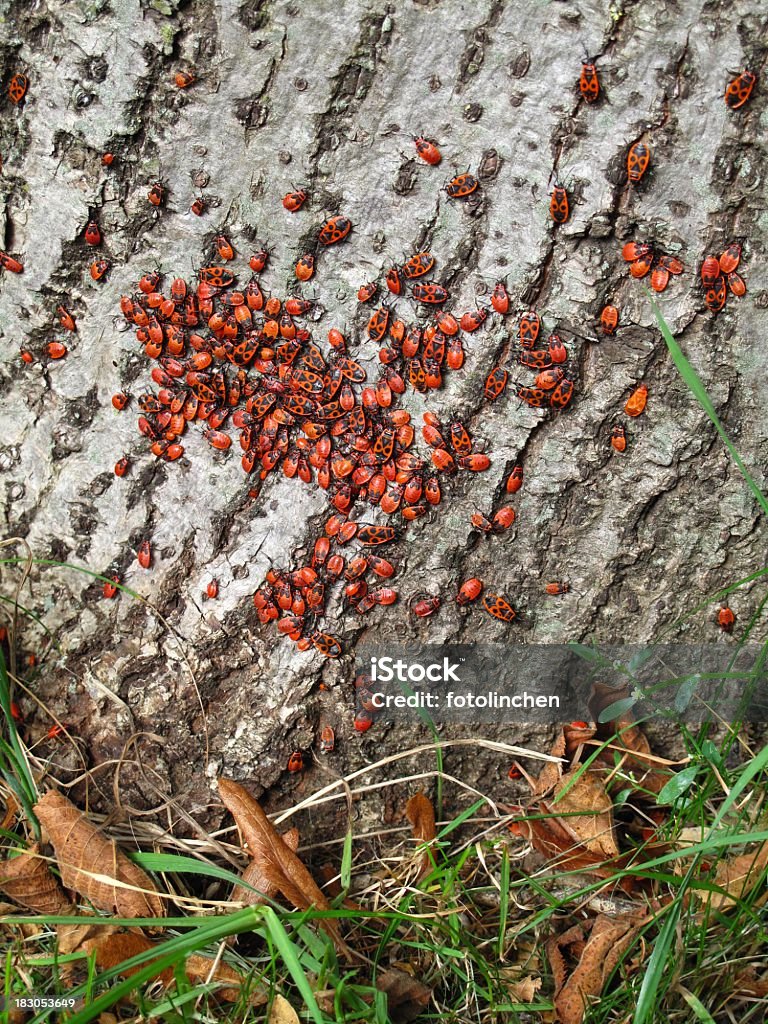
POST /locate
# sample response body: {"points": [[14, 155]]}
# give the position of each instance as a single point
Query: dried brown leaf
{"points": [[737, 875], [421, 814], [609, 939], [278, 862], [93, 865], [566, 746], [406, 996], [583, 791], [629, 736], [28, 880], [112, 947], [254, 875], [521, 988], [281, 1012]]}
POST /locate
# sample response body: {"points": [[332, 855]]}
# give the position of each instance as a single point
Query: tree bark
{"points": [[328, 95]]}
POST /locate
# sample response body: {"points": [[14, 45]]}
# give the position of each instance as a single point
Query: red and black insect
{"points": [[92, 233], [536, 359], [710, 271], [66, 319], [427, 150], [557, 590], [500, 298], [418, 265], [461, 185], [367, 291], [98, 269], [429, 293], [334, 230], [156, 194], [469, 591], [589, 83], [495, 383], [499, 607], [293, 201], [327, 739], [17, 88], [609, 320], [10, 264], [217, 277], [737, 284], [514, 480], [726, 619], [373, 536], [638, 159], [635, 251], [326, 644], [224, 248], [183, 79], [535, 397], [426, 606], [394, 280], [619, 438], [671, 264], [738, 91], [559, 209], [378, 323], [659, 278], [473, 319], [305, 267], [530, 325], [729, 260], [562, 394], [715, 296], [295, 762]]}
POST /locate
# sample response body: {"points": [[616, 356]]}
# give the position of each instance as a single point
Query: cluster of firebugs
{"points": [[310, 414]]}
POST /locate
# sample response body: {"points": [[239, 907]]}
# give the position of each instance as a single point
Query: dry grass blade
{"points": [[421, 814], [28, 880], [279, 864], [93, 865]]}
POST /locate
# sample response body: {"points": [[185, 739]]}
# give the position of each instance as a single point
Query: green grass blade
{"points": [[699, 392], [291, 960]]}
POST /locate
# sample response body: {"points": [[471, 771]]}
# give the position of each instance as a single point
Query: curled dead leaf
{"points": [[737, 875], [254, 876], [567, 746], [585, 809], [27, 879], [112, 947], [520, 989], [421, 814], [93, 865], [281, 1011], [597, 956], [406, 996], [626, 734], [278, 863]]}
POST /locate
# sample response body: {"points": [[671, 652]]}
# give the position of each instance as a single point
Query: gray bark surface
{"points": [[329, 95]]}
